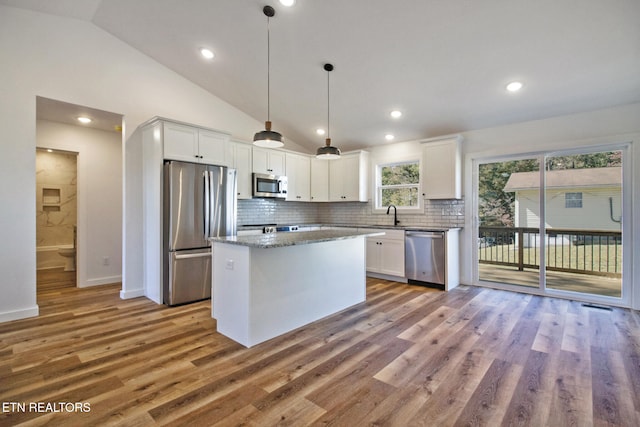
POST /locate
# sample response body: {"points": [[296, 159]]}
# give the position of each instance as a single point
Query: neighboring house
{"points": [[576, 199]]}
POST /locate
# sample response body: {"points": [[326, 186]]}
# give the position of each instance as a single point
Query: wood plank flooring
{"points": [[408, 356]]}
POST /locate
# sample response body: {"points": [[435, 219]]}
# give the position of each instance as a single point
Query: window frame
{"points": [[378, 187], [568, 201]]}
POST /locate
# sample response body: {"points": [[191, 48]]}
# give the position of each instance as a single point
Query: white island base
{"points": [[260, 293]]}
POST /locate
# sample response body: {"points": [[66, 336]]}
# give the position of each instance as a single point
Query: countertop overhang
{"points": [[277, 240], [359, 226]]}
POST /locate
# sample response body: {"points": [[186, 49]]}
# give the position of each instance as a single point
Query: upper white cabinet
{"points": [[319, 180], [348, 177], [240, 160], [268, 161], [298, 171], [442, 168], [193, 144]]}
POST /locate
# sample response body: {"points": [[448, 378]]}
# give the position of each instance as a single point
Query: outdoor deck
{"points": [[583, 283]]}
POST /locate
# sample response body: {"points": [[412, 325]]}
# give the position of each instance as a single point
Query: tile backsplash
{"points": [[437, 213]]}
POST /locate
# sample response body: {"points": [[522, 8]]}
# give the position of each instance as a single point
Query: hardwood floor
{"points": [[409, 356]]}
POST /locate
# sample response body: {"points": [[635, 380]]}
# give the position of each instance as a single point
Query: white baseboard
{"points": [[135, 293], [24, 313], [387, 277], [100, 281]]}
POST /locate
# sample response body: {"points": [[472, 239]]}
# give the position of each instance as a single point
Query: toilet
{"points": [[70, 258], [69, 254]]}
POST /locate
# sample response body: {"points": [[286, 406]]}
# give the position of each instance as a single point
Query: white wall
{"points": [[99, 197], [76, 62]]}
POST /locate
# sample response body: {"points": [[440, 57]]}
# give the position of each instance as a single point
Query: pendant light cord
{"points": [[268, 70], [328, 103]]}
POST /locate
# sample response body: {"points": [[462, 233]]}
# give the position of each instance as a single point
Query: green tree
{"points": [[496, 207], [400, 184]]}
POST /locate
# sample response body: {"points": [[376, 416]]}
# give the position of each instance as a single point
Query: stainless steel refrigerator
{"points": [[199, 202]]}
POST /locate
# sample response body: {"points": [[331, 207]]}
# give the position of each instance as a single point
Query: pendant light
{"points": [[328, 151], [268, 138]]}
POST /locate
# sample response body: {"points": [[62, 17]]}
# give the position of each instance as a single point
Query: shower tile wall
{"points": [[437, 213], [54, 222]]}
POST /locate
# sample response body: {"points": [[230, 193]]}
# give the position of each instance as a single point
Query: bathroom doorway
{"points": [[56, 216], [97, 146]]}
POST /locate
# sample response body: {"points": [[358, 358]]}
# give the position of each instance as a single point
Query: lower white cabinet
{"points": [[385, 254]]}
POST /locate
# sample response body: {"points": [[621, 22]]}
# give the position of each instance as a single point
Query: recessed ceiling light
{"points": [[389, 137], [514, 86], [395, 114], [207, 53], [287, 3], [320, 131], [84, 120]]}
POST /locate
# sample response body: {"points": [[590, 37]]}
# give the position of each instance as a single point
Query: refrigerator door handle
{"points": [[212, 204], [206, 205], [198, 255], [426, 235]]}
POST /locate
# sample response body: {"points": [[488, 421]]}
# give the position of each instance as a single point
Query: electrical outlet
{"points": [[105, 260], [229, 264]]}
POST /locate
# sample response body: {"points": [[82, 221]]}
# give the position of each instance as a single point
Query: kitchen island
{"points": [[269, 284]]}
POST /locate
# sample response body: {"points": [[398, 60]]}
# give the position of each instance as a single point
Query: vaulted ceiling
{"points": [[443, 64]]}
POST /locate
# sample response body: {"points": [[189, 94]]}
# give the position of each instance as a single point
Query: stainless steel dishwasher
{"points": [[425, 258]]}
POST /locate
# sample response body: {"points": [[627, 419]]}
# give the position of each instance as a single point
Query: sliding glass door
{"points": [[583, 222], [508, 225], [552, 222]]}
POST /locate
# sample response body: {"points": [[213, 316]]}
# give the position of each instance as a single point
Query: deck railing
{"points": [[576, 251]]}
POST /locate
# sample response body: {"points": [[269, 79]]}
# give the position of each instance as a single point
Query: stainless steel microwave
{"points": [[265, 185]]}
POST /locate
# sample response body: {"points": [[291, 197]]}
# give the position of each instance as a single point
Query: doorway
{"points": [[56, 216], [552, 223], [98, 147]]}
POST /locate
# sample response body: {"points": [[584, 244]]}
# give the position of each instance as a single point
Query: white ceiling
{"points": [[64, 112], [443, 63]]}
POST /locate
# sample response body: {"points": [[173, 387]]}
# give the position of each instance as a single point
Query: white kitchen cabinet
{"points": [[442, 168], [348, 177], [385, 254], [319, 180], [240, 154], [298, 171], [267, 161], [194, 144]]}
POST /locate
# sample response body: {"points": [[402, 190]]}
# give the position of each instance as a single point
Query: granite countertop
{"points": [[278, 240], [373, 226], [397, 227]]}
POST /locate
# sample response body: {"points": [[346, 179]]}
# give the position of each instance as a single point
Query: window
{"points": [[573, 200], [398, 184]]}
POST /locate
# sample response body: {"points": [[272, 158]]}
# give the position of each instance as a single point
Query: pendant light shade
{"points": [[268, 138], [328, 151]]}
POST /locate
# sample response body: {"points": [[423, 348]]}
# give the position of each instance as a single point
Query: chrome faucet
{"points": [[395, 214]]}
